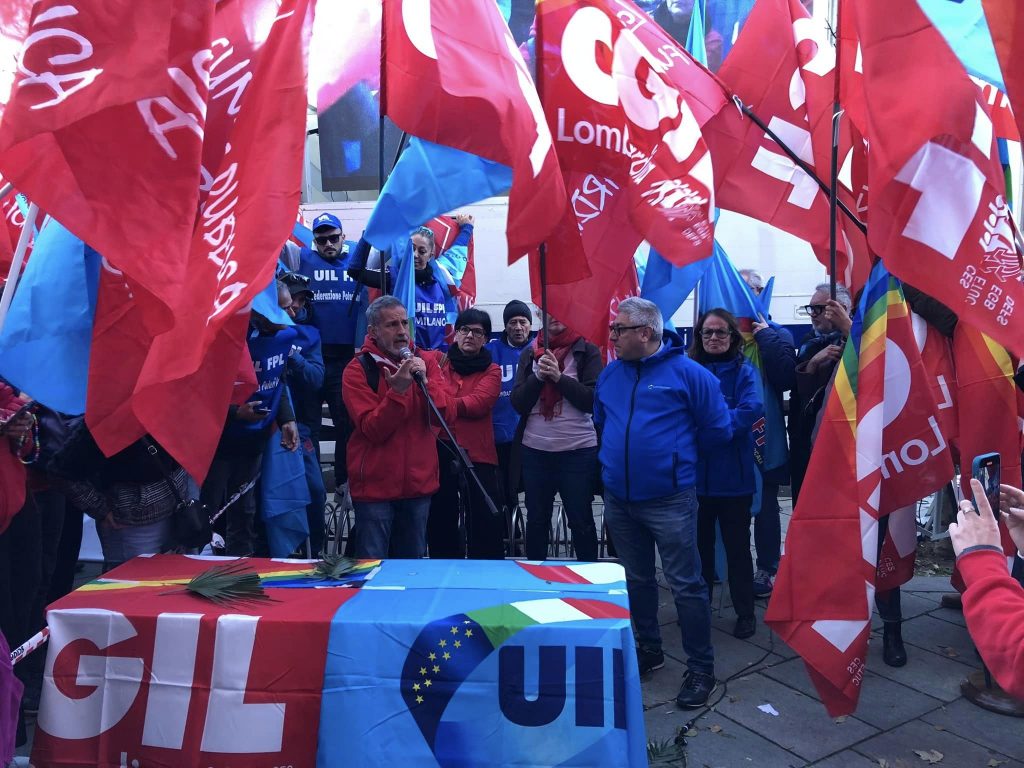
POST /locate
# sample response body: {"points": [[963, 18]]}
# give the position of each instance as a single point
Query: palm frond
{"points": [[226, 585], [334, 567]]}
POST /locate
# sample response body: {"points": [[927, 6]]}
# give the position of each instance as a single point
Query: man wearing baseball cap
{"points": [[334, 293]]}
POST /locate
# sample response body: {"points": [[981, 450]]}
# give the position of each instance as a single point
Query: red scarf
{"points": [[560, 345]]}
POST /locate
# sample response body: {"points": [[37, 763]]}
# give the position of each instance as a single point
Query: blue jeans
{"points": [[573, 475], [671, 523], [768, 530], [122, 544], [391, 528], [317, 494]]}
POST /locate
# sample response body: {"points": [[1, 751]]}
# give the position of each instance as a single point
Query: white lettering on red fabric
{"points": [[49, 78]]}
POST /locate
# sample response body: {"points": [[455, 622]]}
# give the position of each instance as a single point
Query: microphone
{"points": [[406, 354]]}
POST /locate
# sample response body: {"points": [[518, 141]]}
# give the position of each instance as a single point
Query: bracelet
{"points": [[31, 456]]}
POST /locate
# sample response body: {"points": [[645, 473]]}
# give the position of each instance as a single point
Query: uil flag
{"points": [[104, 131], [952, 240], [877, 438], [452, 75], [626, 105]]}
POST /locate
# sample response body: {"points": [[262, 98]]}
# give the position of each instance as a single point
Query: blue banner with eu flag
{"points": [[447, 663]]}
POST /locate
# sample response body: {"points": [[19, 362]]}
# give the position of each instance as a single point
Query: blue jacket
{"points": [[306, 376], [728, 470], [654, 414], [778, 358], [504, 416]]}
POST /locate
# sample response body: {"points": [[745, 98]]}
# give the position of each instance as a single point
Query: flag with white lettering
{"points": [[626, 105], [452, 74], [104, 131], [938, 217], [252, 171], [875, 427]]}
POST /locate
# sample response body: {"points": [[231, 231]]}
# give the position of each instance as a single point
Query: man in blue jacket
{"points": [[305, 381], [506, 351], [654, 407], [334, 292]]}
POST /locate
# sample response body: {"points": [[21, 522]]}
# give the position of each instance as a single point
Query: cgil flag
{"points": [[877, 438]]}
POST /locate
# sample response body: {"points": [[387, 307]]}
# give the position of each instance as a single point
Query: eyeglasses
{"points": [[718, 333], [467, 331], [325, 239], [814, 310], [616, 330]]}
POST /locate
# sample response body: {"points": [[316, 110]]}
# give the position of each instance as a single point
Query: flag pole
{"points": [[837, 113], [544, 291], [538, 73], [19, 259]]}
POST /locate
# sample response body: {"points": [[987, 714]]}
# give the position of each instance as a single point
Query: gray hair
{"points": [[643, 312], [842, 293], [378, 305], [752, 278]]}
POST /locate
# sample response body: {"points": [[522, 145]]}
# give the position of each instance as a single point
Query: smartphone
{"points": [[985, 469]]}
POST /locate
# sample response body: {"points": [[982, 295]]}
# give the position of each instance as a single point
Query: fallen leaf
{"points": [[930, 756], [949, 652], [883, 763], [690, 733], [841, 719], [939, 728], [993, 763], [715, 728]]}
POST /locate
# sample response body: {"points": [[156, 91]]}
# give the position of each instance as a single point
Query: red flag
{"points": [[445, 231], [453, 75], [783, 68], [253, 150], [938, 218], [1006, 22], [626, 105], [628, 287], [104, 131]]}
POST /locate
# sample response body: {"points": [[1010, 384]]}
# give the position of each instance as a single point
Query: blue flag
{"points": [[284, 495], [764, 299], [723, 286], [46, 339], [965, 28], [428, 180], [265, 302]]}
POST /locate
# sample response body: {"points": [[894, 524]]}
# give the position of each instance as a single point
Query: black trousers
{"points": [[229, 472], [732, 513], [483, 537], [334, 367]]}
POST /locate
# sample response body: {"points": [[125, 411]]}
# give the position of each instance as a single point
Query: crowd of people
{"points": [[437, 433]]}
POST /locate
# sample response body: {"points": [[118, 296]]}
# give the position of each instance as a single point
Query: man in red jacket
{"points": [[994, 600], [392, 462]]}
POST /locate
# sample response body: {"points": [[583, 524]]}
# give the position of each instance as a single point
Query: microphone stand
{"points": [[466, 464]]}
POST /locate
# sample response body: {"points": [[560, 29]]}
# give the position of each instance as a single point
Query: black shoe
{"points": [[745, 627], [649, 659], [893, 652], [697, 688]]}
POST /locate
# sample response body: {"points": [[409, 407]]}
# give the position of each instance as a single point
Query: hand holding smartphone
{"points": [[986, 470]]}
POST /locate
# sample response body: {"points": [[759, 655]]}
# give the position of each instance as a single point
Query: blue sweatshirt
{"points": [[728, 470], [654, 414], [306, 377], [269, 360], [333, 290], [504, 416]]}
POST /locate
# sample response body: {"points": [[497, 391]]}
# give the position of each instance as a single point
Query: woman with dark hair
{"points": [[726, 474], [473, 382]]}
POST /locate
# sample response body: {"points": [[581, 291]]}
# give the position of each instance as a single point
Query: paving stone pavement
{"points": [[916, 707]]}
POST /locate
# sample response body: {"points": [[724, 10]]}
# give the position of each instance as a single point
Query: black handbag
{"points": [[190, 523]]}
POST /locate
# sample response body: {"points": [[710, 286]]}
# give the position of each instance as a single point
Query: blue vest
{"points": [[269, 359], [504, 416], [431, 316], [332, 290]]}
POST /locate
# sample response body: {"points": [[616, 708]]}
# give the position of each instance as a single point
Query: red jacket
{"points": [[391, 454], [471, 401], [994, 610]]}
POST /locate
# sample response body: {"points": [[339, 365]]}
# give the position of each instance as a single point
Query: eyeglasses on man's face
{"points": [[815, 310], [616, 330], [325, 239], [465, 330], [717, 333]]}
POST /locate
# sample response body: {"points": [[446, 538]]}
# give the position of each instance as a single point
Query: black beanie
{"points": [[516, 308]]}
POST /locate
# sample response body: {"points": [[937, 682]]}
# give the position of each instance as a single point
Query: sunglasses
{"points": [[814, 310], [325, 239], [718, 333]]}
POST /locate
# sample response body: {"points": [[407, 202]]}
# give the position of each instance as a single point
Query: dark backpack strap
{"points": [[371, 370]]}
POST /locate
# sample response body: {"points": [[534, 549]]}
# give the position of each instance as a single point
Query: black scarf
{"points": [[464, 365]]}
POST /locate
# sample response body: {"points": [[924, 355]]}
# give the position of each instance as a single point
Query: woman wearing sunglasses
{"points": [[725, 474]]}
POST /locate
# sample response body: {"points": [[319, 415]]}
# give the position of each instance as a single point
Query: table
{"points": [[414, 663]]}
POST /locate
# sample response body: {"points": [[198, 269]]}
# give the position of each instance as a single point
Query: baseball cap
{"points": [[296, 283], [326, 220]]}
